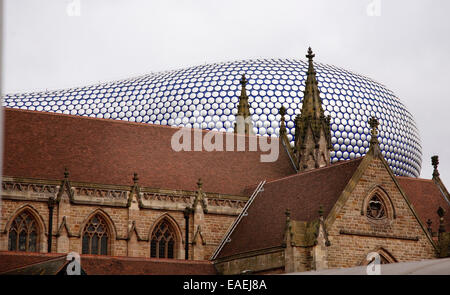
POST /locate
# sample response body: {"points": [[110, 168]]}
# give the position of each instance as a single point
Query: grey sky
{"points": [[406, 48]]}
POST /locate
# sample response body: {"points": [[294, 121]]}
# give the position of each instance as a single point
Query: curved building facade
{"points": [[206, 97]]}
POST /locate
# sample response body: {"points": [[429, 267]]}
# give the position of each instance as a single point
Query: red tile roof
{"points": [[302, 194], [107, 265], [41, 144], [426, 198], [21, 262]]}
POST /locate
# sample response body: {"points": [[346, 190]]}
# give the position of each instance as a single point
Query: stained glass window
{"points": [[95, 236], [162, 244], [23, 233]]}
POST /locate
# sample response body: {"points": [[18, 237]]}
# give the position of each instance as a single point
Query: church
{"points": [[121, 196]]}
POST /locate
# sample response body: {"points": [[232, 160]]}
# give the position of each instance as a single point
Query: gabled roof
{"points": [[40, 145], [53, 263], [426, 198], [303, 194]]}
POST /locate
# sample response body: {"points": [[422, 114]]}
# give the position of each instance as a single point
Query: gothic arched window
{"points": [[163, 241], [376, 208], [96, 236], [23, 233]]}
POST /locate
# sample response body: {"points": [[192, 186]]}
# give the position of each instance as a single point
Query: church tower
{"points": [[243, 124], [312, 142]]}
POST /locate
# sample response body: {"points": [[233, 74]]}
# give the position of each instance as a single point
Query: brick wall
{"points": [[396, 236], [215, 228], [120, 220], [11, 208]]}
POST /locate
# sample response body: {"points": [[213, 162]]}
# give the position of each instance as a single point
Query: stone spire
{"points": [[374, 147], [282, 121], [243, 124], [435, 163], [312, 128]]}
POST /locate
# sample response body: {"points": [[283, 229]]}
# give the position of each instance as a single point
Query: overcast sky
{"points": [[405, 45]]}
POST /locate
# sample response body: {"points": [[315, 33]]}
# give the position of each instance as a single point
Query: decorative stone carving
{"points": [[28, 187], [101, 193]]}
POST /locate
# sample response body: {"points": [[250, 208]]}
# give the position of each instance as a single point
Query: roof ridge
{"points": [[129, 122], [34, 254], [339, 163], [414, 178]]}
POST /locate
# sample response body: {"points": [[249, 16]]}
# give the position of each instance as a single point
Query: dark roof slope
{"points": [[45, 263], [107, 265], [41, 144], [426, 198], [14, 260], [302, 194]]}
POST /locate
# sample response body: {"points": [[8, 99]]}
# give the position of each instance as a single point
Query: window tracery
{"points": [[23, 233], [96, 236], [163, 241]]}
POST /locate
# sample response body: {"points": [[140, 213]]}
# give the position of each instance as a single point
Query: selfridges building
{"points": [[206, 97]]}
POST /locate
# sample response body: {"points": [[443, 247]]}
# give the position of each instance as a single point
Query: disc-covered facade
{"points": [[206, 97]]}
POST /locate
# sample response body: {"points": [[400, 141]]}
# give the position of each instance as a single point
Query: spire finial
{"points": [[310, 54], [66, 172], [199, 183], [243, 122], [243, 81], [374, 147], [373, 122], [435, 163], [135, 178], [287, 213], [311, 70], [321, 211]]}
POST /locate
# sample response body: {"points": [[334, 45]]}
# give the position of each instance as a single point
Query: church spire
{"points": [[243, 124], [374, 147], [312, 103], [313, 137], [435, 163]]}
